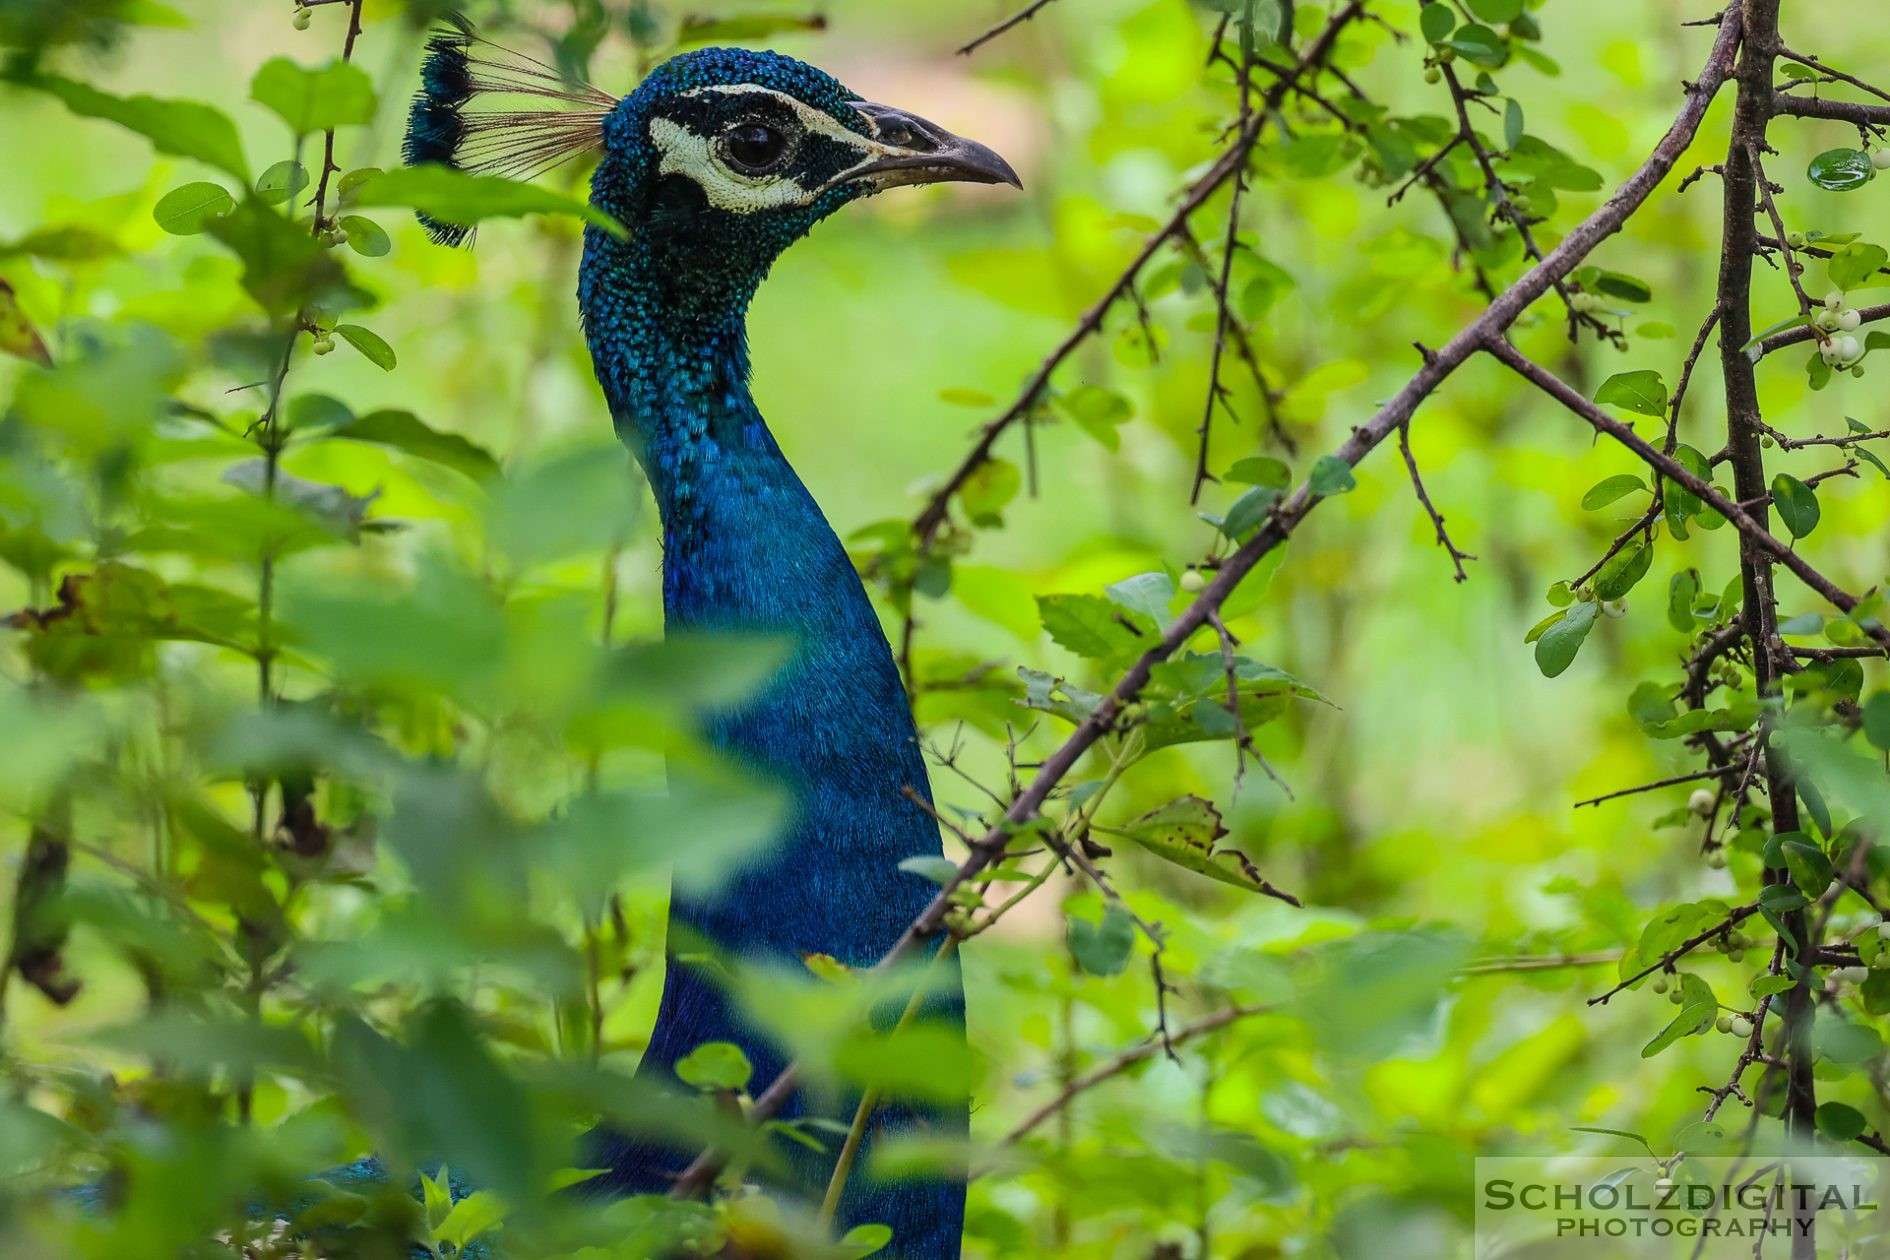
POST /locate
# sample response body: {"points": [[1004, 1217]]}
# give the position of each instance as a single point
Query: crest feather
{"points": [[461, 69]]}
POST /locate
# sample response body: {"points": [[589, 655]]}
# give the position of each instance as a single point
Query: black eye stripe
{"points": [[710, 113]]}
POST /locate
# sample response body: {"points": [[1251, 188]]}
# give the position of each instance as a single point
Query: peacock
{"points": [[717, 162]]}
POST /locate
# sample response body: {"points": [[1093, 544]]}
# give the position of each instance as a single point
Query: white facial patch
{"points": [[699, 158]]}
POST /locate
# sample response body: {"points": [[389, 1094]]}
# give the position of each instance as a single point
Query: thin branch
{"points": [[1014, 20], [1457, 557], [1667, 960], [1718, 773], [1806, 59], [1123, 1062]]}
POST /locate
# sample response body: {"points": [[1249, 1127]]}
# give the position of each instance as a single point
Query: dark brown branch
{"points": [[1457, 557], [1365, 438], [1838, 111], [1836, 76], [1123, 1062], [1668, 959], [1008, 24], [1796, 336], [1695, 776], [328, 142]]}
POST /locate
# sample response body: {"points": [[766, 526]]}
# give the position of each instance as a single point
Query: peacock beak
{"points": [[919, 152]]}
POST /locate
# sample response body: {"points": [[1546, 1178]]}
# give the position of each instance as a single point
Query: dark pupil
{"points": [[754, 145]]}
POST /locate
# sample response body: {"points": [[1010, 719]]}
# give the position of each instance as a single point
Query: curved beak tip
{"points": [[922, 152]]}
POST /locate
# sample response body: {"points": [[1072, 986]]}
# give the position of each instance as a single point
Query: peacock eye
{"points": [[755, 147]]}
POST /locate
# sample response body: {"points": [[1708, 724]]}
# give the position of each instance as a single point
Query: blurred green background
{"points": [[1430, 826]]}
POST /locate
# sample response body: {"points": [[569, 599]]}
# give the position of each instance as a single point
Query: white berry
{"points": [[1834, 300], [1848, 348], [1880, 158], [1741, 1026], [1663, 1184], [1701, 802], [1850, 321]]}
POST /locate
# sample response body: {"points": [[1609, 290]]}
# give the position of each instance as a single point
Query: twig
{"points": [[1667, 960], [1123, 1062], [1717, 773], [1457, 557], [1015, 20]]}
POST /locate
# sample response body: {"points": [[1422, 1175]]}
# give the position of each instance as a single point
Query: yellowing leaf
{"points": [[1187, 832], [18, 337]]}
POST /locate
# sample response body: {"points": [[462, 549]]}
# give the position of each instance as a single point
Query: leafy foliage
{"points": [[345, 767]]}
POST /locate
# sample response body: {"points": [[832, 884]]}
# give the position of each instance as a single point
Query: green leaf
{"points": [[1609, 489], [404, 431], [281, 182], [1840, 1041], [1810, 868], [1877, 720], [1628, 566], [1513, 129], [866, 1240], [1682, 591], [940, 870], [283, 268], [1104, 948], [1087, 625], [1147, 593], [1856, 265], [474, 1216], [188, 210], [1840, 170], [1331, 475], [1098, 412], [1498, 11], [1696, 1018], [1642, 392], [714, 1066], [700, 29], [455, 197], [1559, 643], [1260, 470], [338, 94], [369, 343], [1839, 1122], [1437, 22], [1797, 504], [178, 128], [365, 236], [989, 490], [1249, 512], [1479, 45]]}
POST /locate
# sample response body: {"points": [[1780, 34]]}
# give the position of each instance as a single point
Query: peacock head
{"points": [[723, 157], [717, 162]]}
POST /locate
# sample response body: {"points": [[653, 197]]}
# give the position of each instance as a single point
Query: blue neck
{"points": [[746, 549]]}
